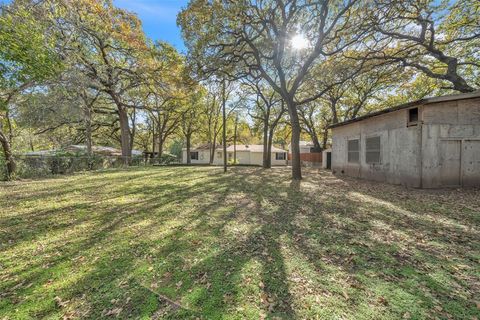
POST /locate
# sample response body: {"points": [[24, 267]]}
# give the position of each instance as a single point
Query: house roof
{"points": [[240, 147], [205, 146], [452, 97], [252, 148]]}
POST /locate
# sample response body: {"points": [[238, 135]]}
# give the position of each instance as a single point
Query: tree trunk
{"points": [[316, 143], [134, 129], [224, 134], [7, 151], [325, 137], [160, 146], [188, 137], [265, 144], [295, 142], [88, 130], [235, 141], [153, 139], [124, 135], [213, 148], [333, 107], [269, 148]]}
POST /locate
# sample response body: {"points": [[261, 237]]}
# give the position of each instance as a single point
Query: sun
{"points": [[299, 42]]}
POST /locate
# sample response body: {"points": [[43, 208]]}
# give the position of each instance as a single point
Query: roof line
{"points": [[451, 97]]}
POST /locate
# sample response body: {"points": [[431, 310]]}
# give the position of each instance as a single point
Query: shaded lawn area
{"points": [[190, 242]]}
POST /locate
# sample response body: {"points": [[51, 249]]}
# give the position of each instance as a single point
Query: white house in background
{"points": [[201, 155], [305, 147], [246, 154]]}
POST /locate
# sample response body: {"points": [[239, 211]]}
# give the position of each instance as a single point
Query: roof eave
{"points": [[453, 97]]}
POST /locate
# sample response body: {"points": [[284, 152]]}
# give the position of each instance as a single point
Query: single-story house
{"points": [[428, 143], [201, 154], [245, 154]]}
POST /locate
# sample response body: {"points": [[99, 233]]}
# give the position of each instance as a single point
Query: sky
{"points": [[159, 18]]}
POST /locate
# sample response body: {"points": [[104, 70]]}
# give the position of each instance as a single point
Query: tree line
{"points": [[83, 71], [350, 54]]}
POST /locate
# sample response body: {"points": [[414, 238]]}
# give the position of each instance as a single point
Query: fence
{"points": [[45, 165], [309, 159]]}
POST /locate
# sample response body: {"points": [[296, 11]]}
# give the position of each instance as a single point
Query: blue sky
{"points": [[159, 18]]}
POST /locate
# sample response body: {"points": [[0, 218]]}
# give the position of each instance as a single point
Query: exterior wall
{"points": [[399, 153], [243, 157], [443, 150], [278, 162], [256, 158], [204, 157], [451, 144]]}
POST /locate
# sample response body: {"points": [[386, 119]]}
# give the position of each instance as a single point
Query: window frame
{"points": [[192, 153], [357, 161], [379, 150], [411, 122], [284, 155]]}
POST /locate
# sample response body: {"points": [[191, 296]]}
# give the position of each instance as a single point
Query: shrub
{"points": [[167, 158], [233, 162]]}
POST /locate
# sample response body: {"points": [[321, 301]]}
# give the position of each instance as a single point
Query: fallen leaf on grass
{"points": [[112, 312], [60, 302], [179, 284], [383, 301]]}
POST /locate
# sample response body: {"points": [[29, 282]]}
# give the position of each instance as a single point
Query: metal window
{"points": [[194, 155], [353, 151], [280, 156], [372, 150]]}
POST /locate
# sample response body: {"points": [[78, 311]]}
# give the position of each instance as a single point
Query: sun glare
{"points": [[299, 42]]}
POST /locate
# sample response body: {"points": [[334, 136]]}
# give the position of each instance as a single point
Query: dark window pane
{"points": [[354, 145], [353, 150], [280, 156], [413, 115], [372, 157], [354, 156], [373, 147]]}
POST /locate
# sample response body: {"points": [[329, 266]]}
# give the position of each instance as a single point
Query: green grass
{"points": [[191, 242]]}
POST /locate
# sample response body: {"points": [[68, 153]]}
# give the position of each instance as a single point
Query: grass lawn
{"points": [[190, 242]]}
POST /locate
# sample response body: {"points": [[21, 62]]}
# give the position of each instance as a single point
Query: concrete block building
{"points": [[429, 143]]}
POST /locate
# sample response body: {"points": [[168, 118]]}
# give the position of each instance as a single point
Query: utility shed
{"points": [[429, 143]]}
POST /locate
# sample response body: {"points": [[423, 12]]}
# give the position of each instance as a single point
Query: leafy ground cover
{"points": [[190, 242]]}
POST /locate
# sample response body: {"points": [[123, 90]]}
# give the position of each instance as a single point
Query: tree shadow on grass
{"points": [[248, 244]]}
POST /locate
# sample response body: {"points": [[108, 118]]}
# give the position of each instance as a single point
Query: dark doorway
{"points": [[329, 160]]}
